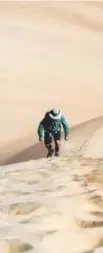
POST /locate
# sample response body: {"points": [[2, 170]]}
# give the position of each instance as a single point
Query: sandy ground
{"points": [[52, 205], [51, 54]]}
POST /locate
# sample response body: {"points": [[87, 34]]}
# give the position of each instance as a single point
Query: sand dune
{"points": [[80, 137], [51, 55], [47, 204]]}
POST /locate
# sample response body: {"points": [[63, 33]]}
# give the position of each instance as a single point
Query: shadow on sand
{"points": [[33, 152]]}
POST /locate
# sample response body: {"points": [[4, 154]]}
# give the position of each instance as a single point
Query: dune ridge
{"points": [[79, 139]]}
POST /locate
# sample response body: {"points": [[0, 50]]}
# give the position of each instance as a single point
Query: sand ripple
{"points": [[48, 205]]}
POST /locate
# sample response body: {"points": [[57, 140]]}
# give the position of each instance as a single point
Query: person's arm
{"points": [[41, 130], [65, 127]]}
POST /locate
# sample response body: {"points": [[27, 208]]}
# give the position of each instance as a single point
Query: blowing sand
{"points": [[51, 54]]}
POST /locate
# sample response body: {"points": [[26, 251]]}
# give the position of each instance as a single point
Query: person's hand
{"points": [[41, 139], [66, 138]]}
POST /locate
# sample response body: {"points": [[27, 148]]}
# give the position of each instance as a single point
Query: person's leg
{"points": [[48, 143], [57, 140]]}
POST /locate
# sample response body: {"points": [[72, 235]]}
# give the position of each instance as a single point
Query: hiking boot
{"points": [[50, 152], [57, 154]]}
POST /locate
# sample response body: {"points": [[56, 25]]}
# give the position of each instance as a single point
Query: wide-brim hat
{"points": [[55, 113]]}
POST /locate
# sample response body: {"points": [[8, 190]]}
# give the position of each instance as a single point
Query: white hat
{"points": [[55, 113]]}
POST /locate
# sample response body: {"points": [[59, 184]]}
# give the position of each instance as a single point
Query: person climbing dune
{"points": [[50, 128]]}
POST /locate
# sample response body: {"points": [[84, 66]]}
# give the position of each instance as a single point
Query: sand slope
{"points": [[48, 204], [95, 147], [51, 53], [80, 137]]}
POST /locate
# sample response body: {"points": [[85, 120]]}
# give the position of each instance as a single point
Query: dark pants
{"points": [[49, 138]]}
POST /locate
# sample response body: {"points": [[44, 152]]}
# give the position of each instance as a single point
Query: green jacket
{"points": [[52, 125]]}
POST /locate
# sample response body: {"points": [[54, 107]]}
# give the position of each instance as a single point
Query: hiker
{"points": [[50, 128]]}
